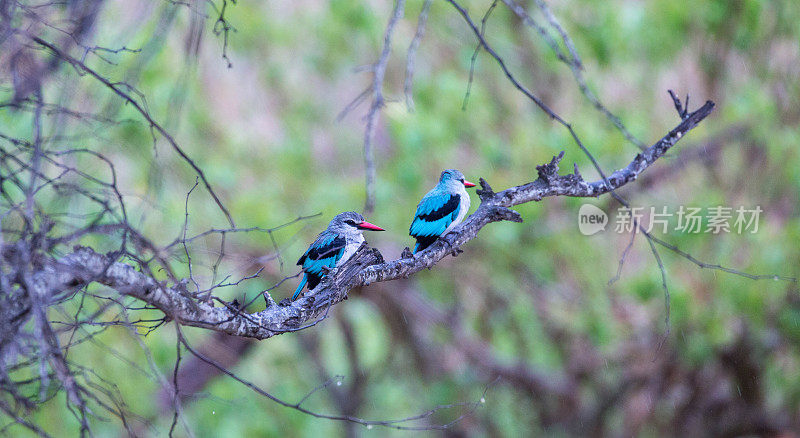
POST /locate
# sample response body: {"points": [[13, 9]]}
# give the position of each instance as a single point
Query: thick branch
{"points": [[84, 265]]}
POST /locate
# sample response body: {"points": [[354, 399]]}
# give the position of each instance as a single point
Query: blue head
{"points": [[454, 178], [351, 222]]}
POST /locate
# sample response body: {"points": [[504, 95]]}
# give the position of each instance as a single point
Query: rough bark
{"points": [[84, 265]]}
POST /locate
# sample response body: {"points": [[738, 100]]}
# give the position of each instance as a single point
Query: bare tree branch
{"points": [[378, 74], [412, 54], [84, 265], [117, 88]]}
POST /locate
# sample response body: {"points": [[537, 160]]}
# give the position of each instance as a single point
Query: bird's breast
{"points": [[350, 248]]}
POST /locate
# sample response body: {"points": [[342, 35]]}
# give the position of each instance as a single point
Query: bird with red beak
{"points": [[444, 207], [332, 247]]}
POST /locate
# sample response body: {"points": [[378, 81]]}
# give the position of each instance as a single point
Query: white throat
{"points": [[350, 248], [462, 210]]}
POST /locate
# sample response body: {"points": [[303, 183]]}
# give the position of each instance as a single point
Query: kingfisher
{"points": [[444, 207], [332, 247]]}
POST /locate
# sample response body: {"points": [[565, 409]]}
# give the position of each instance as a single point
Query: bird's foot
{"points": [[450, 238], [406, 254], [268, 300], [205, 298]]}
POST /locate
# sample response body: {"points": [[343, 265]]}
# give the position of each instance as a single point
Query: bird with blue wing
{"points": [[444, 207], [332, 247]]}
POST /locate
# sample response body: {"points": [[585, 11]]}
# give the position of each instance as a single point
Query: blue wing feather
{"points": [[300, 287], [434, 200], [434, 214], [325, 252]]}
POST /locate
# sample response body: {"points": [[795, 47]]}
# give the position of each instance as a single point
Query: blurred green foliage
{"points": [[266, 134]]}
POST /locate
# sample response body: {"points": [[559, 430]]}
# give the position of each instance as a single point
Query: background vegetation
{"points": [[529, 298]]}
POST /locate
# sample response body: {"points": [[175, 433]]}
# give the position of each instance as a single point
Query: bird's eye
{"points": [[350, 222]]}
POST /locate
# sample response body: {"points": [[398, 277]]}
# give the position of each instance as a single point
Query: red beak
{"points": [[368, 226], [468, 184]]}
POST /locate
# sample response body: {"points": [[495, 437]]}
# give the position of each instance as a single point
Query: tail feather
{"points": [[424, 242], [300, 287]]}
